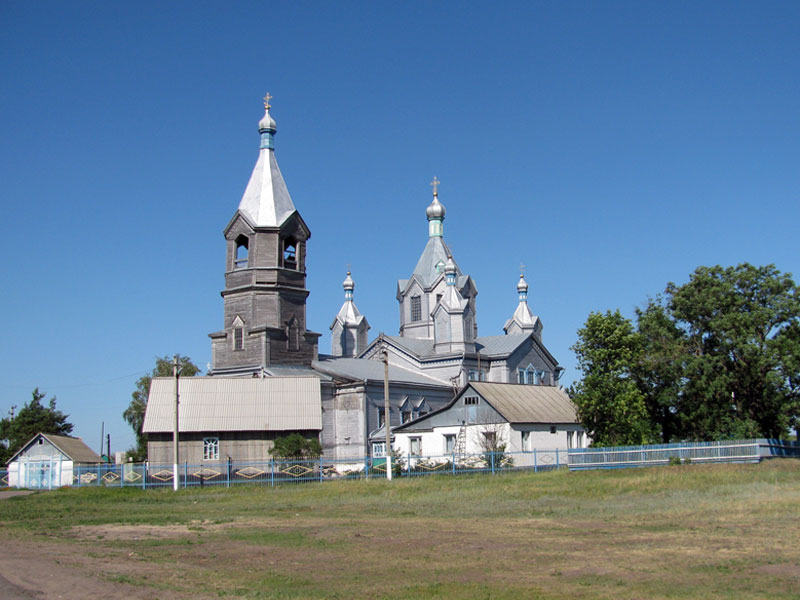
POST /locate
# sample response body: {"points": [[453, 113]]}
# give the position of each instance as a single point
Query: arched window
{"points": [[238, 333], [242, 249]]}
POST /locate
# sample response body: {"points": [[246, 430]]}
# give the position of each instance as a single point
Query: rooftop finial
{"points": [[267, 98], [435, 183]]}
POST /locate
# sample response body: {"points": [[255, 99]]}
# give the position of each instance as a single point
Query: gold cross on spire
{"points": [[267, 98], [435, 183], [521, 269]]}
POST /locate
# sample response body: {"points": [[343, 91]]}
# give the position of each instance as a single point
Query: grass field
{"points": [[691, 531]]}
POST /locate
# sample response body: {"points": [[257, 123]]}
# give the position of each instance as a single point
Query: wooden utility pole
{"points": [[176, 375], [386, 417]]}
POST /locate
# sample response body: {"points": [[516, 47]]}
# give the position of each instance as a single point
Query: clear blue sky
{"points": [[610, 146]]}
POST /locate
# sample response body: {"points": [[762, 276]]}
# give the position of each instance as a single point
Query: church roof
{"points": [[266, 201], [435, 252], [501, 344], [235, 404], [361, 369]]}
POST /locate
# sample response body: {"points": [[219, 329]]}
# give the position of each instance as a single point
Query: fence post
{"points": [[144, 475], [228, 474], [185, 473], [319, 465], [272, 472], [491, 458], [453, 462], [558, 464], [535, 465], [366, 466]]}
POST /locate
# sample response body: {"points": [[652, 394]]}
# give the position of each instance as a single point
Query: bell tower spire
{"points": [[349, 328]]}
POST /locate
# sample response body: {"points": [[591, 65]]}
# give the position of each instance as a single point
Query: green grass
{"points": [[695, 531]]}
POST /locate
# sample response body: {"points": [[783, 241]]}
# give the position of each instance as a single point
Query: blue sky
{"points": [[611, 147]]}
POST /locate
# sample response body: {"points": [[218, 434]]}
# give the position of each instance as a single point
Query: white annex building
{"points": [[264, 338]]}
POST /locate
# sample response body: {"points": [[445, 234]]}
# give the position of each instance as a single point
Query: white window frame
{"points": [[378, 449], [415, 440], [449, 437], [210, 448], [416, 309]]}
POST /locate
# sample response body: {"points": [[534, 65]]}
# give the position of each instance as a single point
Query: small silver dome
{"points": [[267, 123], [435, 210], [450, 265], [522, 286], [348, 283]]}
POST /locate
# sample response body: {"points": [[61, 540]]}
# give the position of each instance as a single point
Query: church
{"points": [[268, 377]]}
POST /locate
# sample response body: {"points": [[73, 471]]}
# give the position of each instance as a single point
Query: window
{"points": [[406, 416], [579, 436], [490, 437], [381, 420], [242, 245], [473, 375], [471, 400], [552, 429], [415, 446], [379, 450], [520, 375], [570, 441], [210, 448], [449, 443], [438, 298], [238, 338], [526, 440], [416, 308]]}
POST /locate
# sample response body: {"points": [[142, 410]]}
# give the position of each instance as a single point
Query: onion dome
{"points": [[348, 284], [522, 285], [435, 209]]}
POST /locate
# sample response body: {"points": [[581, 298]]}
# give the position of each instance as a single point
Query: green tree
{"points": [[134, 414], [743, 342], [296, 446], [659, 367], [33, 418], [610, 405]]}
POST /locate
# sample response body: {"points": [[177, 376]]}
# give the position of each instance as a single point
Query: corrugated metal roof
{"points": [[235, 404], [360, 369], [528, 403]]}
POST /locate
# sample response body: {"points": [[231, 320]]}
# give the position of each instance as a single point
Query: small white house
{"points": [[529, 422], [47, 461]]}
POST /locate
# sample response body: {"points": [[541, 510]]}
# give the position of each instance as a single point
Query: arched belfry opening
{"points": [[241, 259], [290, 253]]}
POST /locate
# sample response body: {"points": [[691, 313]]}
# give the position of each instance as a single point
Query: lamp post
{"points": [[176, 375], [386, 417]]}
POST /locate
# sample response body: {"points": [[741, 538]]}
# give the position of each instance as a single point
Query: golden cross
{"points": [[435, 183], [267, 98], [522, 268], [348, 268]]}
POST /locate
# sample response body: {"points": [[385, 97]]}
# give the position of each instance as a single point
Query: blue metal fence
{"points": [[277, 472]]}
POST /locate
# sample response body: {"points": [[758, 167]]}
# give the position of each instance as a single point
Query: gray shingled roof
{"points": [[360, 369], [413, 345], [528, 403], [235, 404]]}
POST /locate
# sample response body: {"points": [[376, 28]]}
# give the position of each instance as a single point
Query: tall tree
{"points": [[610, 405], [134, 414], [33, 418], [741, 368]]}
